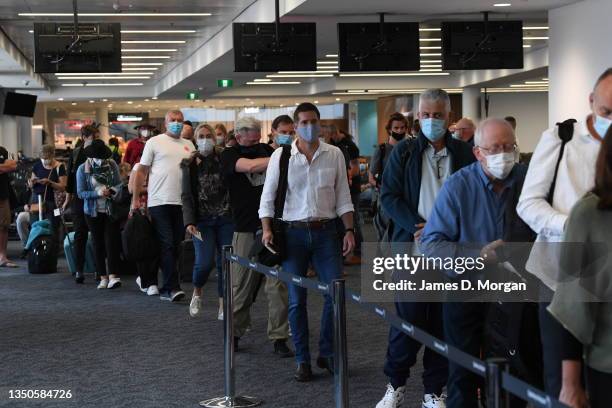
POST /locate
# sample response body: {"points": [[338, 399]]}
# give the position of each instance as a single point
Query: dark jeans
{"points": [[357, 223], [322, 248], [464, 325], [403, 350], [79, 225], [598, 386], [168, 224], [106, 238], [216, 232], [557, 344]]}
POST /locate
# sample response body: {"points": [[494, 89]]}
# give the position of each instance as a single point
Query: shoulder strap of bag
{"points": [[283, 182], [566, 132]]}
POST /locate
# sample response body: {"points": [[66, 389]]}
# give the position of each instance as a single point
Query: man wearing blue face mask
{"points": [[546, 209], [161, 160], [317, 196], [283, 131], [414, 175]]}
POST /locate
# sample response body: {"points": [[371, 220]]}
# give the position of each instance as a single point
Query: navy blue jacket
{"points": [[401, 186]]}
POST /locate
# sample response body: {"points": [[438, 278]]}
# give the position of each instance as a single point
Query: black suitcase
{"points": [[186, 261], [42, 256]]}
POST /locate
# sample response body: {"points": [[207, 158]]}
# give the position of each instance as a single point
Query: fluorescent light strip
{"points": [[327, 62], [154, 42], [537, 82], [535, 38], [502, 4], [115, 84], [158, 31], [509, 90], [430, 39], [430, 70], [526, 46], [431, 66], [299, 76], [433, 47], [431, 54], [398, 74], [431, 61], [140, 69], [275, 83], [430, 29], [326, 71], [95, 73], [535, 28], [116, 14], [145, 57], [142, 63], [103, 77], [526, 86], [262, 80], [148, 50], [331, 55]]}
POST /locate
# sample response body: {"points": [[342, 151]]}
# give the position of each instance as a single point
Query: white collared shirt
{"points": [[316, 190], [575, 178]]}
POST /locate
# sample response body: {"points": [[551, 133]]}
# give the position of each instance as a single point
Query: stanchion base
{"points": [[236, 402]]}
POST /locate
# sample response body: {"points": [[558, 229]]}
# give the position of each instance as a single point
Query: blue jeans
{"points": [[168, 224], [323, 248], [216, 232]]}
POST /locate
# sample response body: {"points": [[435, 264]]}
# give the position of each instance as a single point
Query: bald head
{"points": [[494, 132], [464, 129]]}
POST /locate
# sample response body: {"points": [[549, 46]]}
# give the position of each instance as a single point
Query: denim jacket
{"points": [[86, 191]]}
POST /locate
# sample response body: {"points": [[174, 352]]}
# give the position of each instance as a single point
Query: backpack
{"points": [[139, 238], [42, 255]]}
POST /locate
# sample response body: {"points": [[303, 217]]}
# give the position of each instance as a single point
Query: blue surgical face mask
{"points": [[601, 125], [309, 133], [433, 129], [175, 128], [282, 139]]}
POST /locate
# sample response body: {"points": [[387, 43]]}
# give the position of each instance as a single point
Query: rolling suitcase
{"points": [[90, 264], [41, 246]]}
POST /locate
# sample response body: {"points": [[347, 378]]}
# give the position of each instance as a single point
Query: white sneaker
{"points": [[220, 314], [152, 290], [143, 290], [114, 283], [434, 401], [103, 284], [393, 398], [195, 307]]}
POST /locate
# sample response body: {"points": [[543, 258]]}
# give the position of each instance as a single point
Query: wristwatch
{"points": [[349, 229]]}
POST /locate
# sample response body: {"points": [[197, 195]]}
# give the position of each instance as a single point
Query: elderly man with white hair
{"points": [[414, 175], [464, 130], [244, 169], [161, 161], [471, 209]]}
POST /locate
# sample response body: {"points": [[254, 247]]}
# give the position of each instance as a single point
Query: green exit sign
{"points": [[192, 96], [225, 83]]}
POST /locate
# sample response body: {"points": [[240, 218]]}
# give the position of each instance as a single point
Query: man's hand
{"points": [[488, 251], [348, 243], [417, 235], [44, 181], [192, 229], [67, 201], [267, 237], [574, 396]]}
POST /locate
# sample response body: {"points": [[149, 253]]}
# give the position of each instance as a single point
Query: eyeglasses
{"points": [[497, 149]]}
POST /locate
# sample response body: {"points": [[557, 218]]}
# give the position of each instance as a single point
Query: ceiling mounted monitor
{"points": [[257, 48], [378, 46], [482, 45], [95, 48], [19, 104]]}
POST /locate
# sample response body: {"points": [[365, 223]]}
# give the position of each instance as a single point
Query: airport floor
{"points": [[121, 348]]}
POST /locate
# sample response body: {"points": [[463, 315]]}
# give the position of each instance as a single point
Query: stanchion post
{"points": [[230, 399], [496, 397], [340, 349]]}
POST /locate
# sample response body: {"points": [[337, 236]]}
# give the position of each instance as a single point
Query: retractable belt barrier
{"points": [[493, 370]]}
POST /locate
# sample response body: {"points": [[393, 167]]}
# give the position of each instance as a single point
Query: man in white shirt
{"points": [[575, 177], [161, 160], [317, 194]]}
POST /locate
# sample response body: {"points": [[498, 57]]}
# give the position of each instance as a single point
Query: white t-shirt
{"points": [[163, 155]]}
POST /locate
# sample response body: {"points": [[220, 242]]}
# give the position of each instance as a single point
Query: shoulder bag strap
{"points": [[283, 182], [566, 132]]}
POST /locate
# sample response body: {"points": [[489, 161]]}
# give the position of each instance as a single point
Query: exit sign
{"points": [[225, 83], [192, 96]]}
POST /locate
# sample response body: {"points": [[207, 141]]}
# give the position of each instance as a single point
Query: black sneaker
{"points": [[303, 373], [326, 363], [282, 350]]}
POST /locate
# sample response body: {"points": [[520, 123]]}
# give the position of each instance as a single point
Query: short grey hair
{"points": [[247, 122], [435, 95], [172, 113], [491, 121]]}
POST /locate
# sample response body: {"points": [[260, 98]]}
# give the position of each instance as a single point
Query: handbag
{"points": [[263, 254]]}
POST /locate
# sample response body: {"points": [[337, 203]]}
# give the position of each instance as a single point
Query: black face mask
{"points": [[398, 136], [249, 150]]}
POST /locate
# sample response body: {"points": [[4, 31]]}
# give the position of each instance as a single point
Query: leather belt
{"points": [[309, 224]]}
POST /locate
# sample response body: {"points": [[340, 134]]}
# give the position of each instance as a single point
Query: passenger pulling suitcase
{"points": [[90, 264]]}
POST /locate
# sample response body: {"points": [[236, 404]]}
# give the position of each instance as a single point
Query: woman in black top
{"points": [[206, 213]]}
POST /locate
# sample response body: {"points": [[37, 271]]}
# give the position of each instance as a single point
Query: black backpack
{"points": [[139, 239], [42, 256]]}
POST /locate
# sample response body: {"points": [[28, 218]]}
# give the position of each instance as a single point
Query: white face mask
{"points": [[500, 165], [220, 140], [144, 133], [97, 162], [46, 162], [205, 146]]}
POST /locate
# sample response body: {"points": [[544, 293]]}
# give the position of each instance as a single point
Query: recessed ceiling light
{"points": [[316, 101], [337, 99], [502, 4], [130, 102], [73, 103], [154, 98], [115, 14], [60, 99], [104, 100], [281, 105], [146, 100], [91, 101]]}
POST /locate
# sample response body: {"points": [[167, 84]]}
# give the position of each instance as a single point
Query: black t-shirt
{"points": [[351, 152], [244, 189], [4, 177], [41, 172]]}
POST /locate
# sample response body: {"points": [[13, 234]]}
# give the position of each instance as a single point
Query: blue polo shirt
{"points": [[468, 211]]}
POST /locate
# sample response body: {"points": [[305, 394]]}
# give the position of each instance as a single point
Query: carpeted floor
{"points": [[121, 348]]}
